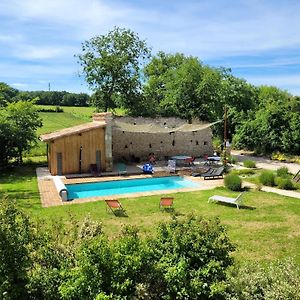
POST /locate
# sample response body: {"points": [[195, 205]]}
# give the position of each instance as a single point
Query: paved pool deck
{"points": [[50, 197]]}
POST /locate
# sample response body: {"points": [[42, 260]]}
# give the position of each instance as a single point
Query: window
{"points": [[205, 143]]}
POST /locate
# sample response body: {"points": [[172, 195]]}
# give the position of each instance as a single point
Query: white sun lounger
{"points": [[236, 201]]}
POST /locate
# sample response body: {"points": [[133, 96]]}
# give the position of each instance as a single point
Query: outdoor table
{"points": [[213, 159], [181, 159]]}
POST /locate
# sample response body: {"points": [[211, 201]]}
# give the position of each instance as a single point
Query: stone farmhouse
{"points": [[110, 139]]}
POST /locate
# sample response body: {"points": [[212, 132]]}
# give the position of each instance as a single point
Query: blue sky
{"points": [[258, 39]]}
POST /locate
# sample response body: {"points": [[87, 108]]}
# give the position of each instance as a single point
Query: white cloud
{"points": [[19, 85], [37, 30]]}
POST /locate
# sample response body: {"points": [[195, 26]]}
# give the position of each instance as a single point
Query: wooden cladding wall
{"points": [[69, 147]]}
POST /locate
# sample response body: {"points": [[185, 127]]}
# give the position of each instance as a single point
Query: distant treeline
{"points": [[63, 98]]}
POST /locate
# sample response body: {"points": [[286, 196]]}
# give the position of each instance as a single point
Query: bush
{"points": [[278, 156], [284, 183], [190, 259], [232, 160], [280, 280], [267, 178], [282, 172], [233, 182], [56, 109], [243, 172], [249, 164]]}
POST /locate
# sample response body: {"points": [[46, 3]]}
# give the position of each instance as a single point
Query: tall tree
{"points": [[111, 65], [24, 121]]}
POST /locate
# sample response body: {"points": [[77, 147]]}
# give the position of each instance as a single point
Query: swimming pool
{"points": [[117, 187]]}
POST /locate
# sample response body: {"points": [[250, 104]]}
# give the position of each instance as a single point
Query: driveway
{"points": [[266, 163]]}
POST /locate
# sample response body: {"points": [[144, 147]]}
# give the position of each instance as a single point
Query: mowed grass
{"points": [[56, 121], [266, 229], [52, 121]]}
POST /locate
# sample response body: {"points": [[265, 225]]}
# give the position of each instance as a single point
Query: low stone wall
{"points": [[130, 145]]}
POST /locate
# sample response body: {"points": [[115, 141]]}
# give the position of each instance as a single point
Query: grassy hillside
{"points": [[52, 121]]}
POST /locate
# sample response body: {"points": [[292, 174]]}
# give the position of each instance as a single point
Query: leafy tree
{"points": [[24, 121], [158, 72], [15, 243], [111, 65], [274, 126], [6, 93], [7, 149]]}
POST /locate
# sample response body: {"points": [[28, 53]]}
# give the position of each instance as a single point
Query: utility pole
{"points": [[225, 135]]}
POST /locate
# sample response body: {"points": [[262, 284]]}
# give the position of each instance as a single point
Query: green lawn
{"points": [[53, 121], [56, 121], [268, 228]]}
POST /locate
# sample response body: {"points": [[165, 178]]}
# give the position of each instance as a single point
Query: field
{"points": [[52, 121], [266, 229]]}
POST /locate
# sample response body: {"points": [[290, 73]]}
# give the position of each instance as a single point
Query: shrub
{"points": [[267, 178], [233, 182], [190, 259], [282, 172], [278, 156], [56, 109], [284, 183], [280, 280], [232, 160], [249, 163]]}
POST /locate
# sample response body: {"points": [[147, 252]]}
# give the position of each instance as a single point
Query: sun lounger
{"points": [[236, 201], [213, 173]]}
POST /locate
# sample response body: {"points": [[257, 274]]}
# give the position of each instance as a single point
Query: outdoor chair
{"points": [[172, 166], [237, 201], [166, 202], [122, 169], [213, 173], [115, 206]]}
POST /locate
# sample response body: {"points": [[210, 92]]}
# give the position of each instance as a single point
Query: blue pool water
{"points": [[109, 188]]}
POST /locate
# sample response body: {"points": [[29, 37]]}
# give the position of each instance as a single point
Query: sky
{"points": [[258, 39]]}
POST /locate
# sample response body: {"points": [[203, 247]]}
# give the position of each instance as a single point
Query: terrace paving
{"points": [[50, 197]]}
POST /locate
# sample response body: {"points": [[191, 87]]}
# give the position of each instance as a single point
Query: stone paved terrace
{"points": [[50, 197]]}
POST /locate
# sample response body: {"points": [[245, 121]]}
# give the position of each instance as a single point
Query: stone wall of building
{"points": [[127, 145]]}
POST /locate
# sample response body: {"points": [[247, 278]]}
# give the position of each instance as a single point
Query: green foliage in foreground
{"points": [[187, 258], [279, 280]]}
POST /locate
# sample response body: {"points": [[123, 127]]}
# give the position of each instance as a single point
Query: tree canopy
{"points": [[112, 67], [18, 124]]}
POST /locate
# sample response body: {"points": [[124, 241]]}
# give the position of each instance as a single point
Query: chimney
{"points": [[100, 117]]}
